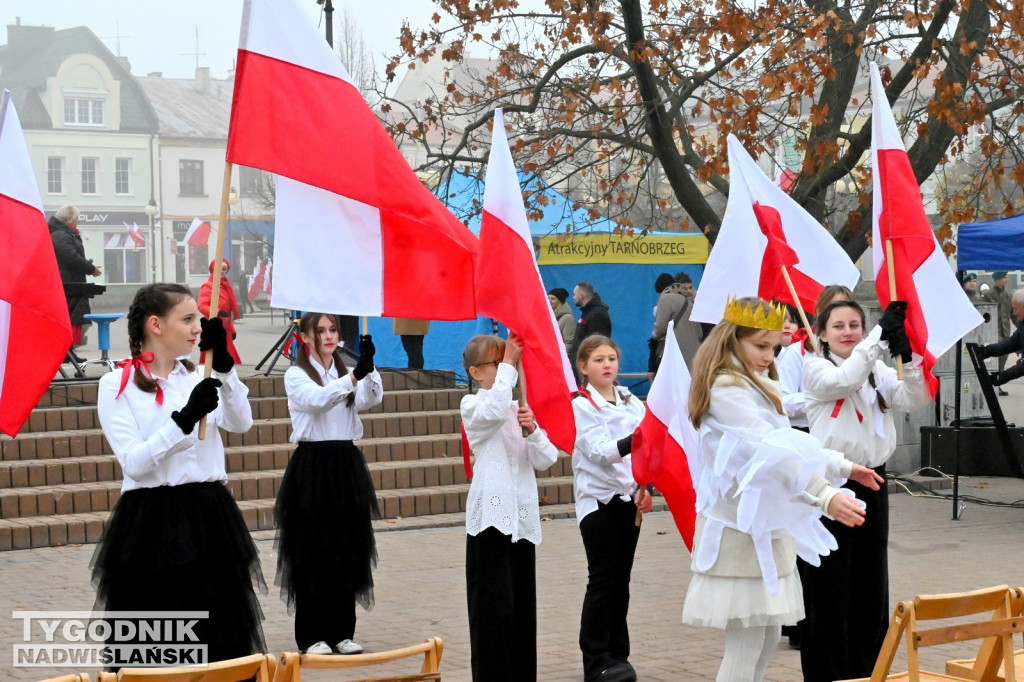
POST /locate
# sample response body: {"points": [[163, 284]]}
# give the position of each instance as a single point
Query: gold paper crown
{"points": [[747, 315]]}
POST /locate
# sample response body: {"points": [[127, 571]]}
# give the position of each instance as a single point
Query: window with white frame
{"points": [[123, 262], [90, 166], [190, 177], [122, 176], [191, 259], [83, 111], [253, 182], [55, 175]]}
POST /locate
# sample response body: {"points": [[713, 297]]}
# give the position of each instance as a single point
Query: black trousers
{"points": [[413, 346], [501, 587], [322, 616], [609, 535], [846, 599]]}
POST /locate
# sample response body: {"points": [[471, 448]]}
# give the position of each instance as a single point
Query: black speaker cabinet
{"points": [[980, 451]]}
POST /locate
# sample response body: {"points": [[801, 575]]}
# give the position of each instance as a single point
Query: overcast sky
{"points": [[161, 36]]}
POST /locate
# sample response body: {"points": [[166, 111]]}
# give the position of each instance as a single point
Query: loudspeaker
{"points": [[980, 451]]}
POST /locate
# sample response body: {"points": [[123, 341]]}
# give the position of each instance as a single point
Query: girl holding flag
{"points": [[502, 514], [175, 540], [326, 548], [851, 396], [607, 500], [762, 489]]}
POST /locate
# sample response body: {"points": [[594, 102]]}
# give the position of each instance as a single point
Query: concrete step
{"points": [[91, 441], [82, 417]]}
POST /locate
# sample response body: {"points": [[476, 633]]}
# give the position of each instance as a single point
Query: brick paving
{"points": [[421, 587]]}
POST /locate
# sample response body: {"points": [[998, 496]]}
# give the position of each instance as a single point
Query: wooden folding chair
{"points": [[73, 677], [998, 630], [258, 666], [290, 669], [971, 667]]}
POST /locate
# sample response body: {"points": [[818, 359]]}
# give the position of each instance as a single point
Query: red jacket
{"points": [[226, 303]]}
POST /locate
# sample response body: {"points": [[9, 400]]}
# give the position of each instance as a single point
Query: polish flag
{"points": [[267, 276], [509, 289], [35, 330], [256, 281], [198, 233], [763, 230], [938, 311], [356, 231], [136, 234], [665, 439]]}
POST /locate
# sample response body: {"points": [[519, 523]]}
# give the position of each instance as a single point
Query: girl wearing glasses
{"points": [[502, 514]]}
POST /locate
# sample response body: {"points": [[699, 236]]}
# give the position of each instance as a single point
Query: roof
{"points": [[34, 53], [185, 109]]}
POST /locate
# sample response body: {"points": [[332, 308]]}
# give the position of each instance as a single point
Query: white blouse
{"points": [[790, 366], [503, 493], [600, 471], [843, 408], [150, 447], [319, 412]]}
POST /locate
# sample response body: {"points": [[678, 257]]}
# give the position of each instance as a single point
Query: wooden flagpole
{"points": [[218, 262], [521, 383], [892, 295], [800, 309]]}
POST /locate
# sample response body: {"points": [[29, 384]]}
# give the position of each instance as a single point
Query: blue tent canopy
{"points": [[627, 288], [991, 245]]}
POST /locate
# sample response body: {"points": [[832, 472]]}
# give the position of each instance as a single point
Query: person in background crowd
{"points": [[998, 295], [227, 306], [558, 298], [412, 333], [74, 267], [1014, 344], [675, 304], [594, 317], [970, 284]]}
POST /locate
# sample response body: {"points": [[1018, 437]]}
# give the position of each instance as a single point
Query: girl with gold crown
{"points": [[761, 490]]}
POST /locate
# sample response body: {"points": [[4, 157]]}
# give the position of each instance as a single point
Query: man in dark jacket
{"points": [[72, 264], [1001, 297], [1012, 344], [594, 318]]}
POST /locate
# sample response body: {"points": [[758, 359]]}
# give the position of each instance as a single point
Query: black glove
{"points": [[625, 445], [899, 345], [998, 378], [214, 338], [201, 402], [366, 351], [892, 319], [983, 352]]}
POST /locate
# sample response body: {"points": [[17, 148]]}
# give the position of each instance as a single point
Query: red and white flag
{"points": [[136, 234], [35, 330], [764, 229], [256, 279], [356, 231], [938, 310], [665, 445], [267, 275], [509, 289], [198, 233]]}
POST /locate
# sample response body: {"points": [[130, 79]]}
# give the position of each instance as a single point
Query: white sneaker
{"points": [[347, 647], [320, 648]]}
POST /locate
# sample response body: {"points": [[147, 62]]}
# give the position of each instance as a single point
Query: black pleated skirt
{"points": [[184, 548], [323, 513]]}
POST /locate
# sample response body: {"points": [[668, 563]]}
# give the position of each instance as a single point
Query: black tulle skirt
{"points": [[184, 548], [324, 532]]}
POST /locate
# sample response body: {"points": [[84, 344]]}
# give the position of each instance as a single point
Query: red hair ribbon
{"points": [[800, 336], [298, 337], [139, 362]]}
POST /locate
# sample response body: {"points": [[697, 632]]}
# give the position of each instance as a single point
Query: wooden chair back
{"points": [[974, 668], [290, 668], [260, 667], [73, 677], [997, 629]]}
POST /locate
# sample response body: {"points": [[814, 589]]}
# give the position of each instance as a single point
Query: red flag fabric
{"points": [[938, 310], [665, 436], [35, 330], [135, 232], [198, 233], [296, 112], [509, 289], [256, 279], [764, 229]]}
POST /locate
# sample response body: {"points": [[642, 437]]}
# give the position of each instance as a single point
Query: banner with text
{"points": [[581, 249]]}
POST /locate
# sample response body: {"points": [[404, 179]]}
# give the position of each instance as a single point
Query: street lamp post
{"points": [[151, 210]]}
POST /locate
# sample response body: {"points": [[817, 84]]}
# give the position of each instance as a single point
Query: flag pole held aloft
{"points": [[800, 309], [218, 264], [893, 296]]}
